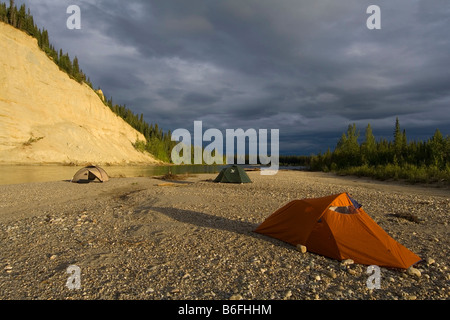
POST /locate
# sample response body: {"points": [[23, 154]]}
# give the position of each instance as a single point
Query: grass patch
{"points": [[408, 172]]}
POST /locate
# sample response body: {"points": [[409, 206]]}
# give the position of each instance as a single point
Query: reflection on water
{"points": [[26, 174]]}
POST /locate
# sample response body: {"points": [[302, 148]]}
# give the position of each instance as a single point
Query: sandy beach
{"points": [[148, 239]]}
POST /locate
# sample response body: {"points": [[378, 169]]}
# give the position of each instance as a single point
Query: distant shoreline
{"points": [[150, 170]]}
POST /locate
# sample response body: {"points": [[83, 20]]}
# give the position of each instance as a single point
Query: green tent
{"points": [[233, 174]]}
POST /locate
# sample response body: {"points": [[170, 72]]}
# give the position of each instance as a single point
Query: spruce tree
{"points": [[21, 18], [368, 148], [437, 150], [76, 70], [3, 13], [12, 12]]}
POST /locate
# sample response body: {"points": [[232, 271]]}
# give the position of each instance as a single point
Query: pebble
{"points": [[332, 274], [302, 248], [353, 272], [288, 295], [414, 272], [347, 262]]}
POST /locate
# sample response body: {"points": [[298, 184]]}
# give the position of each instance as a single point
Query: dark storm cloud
{"points": [[308, 68], [196, 99]]}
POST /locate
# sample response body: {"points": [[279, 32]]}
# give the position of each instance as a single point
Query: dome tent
{"points": [[336, 226], [90, 173], [233, 174]]}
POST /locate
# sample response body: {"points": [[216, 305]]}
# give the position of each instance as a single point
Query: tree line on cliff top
{"points": [[23, 20], [158, 143]]}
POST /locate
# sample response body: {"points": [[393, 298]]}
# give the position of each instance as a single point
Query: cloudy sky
{"points": [[306, 67]]}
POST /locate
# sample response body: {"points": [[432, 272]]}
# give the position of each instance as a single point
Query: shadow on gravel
{"points": [[205, 220]]}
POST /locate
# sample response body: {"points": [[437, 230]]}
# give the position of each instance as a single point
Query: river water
{"points": [[17, 174]]}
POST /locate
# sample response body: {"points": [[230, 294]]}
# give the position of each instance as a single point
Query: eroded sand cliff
{"points": [[46, 117]]}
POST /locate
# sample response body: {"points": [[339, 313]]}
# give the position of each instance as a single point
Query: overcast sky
{"points": [[308, 68]]}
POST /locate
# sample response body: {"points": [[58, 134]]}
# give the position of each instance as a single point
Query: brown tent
{"points": [[90, 173], [337, 227]]}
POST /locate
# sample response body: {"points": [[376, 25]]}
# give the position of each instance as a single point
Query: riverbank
{"points": [[21, 174], [144, 238]]}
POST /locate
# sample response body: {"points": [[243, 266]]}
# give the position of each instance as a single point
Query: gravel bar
{"points": [[147, 239]]}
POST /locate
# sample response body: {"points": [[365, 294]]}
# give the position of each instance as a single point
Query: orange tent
{"points": [[337, 227]]}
